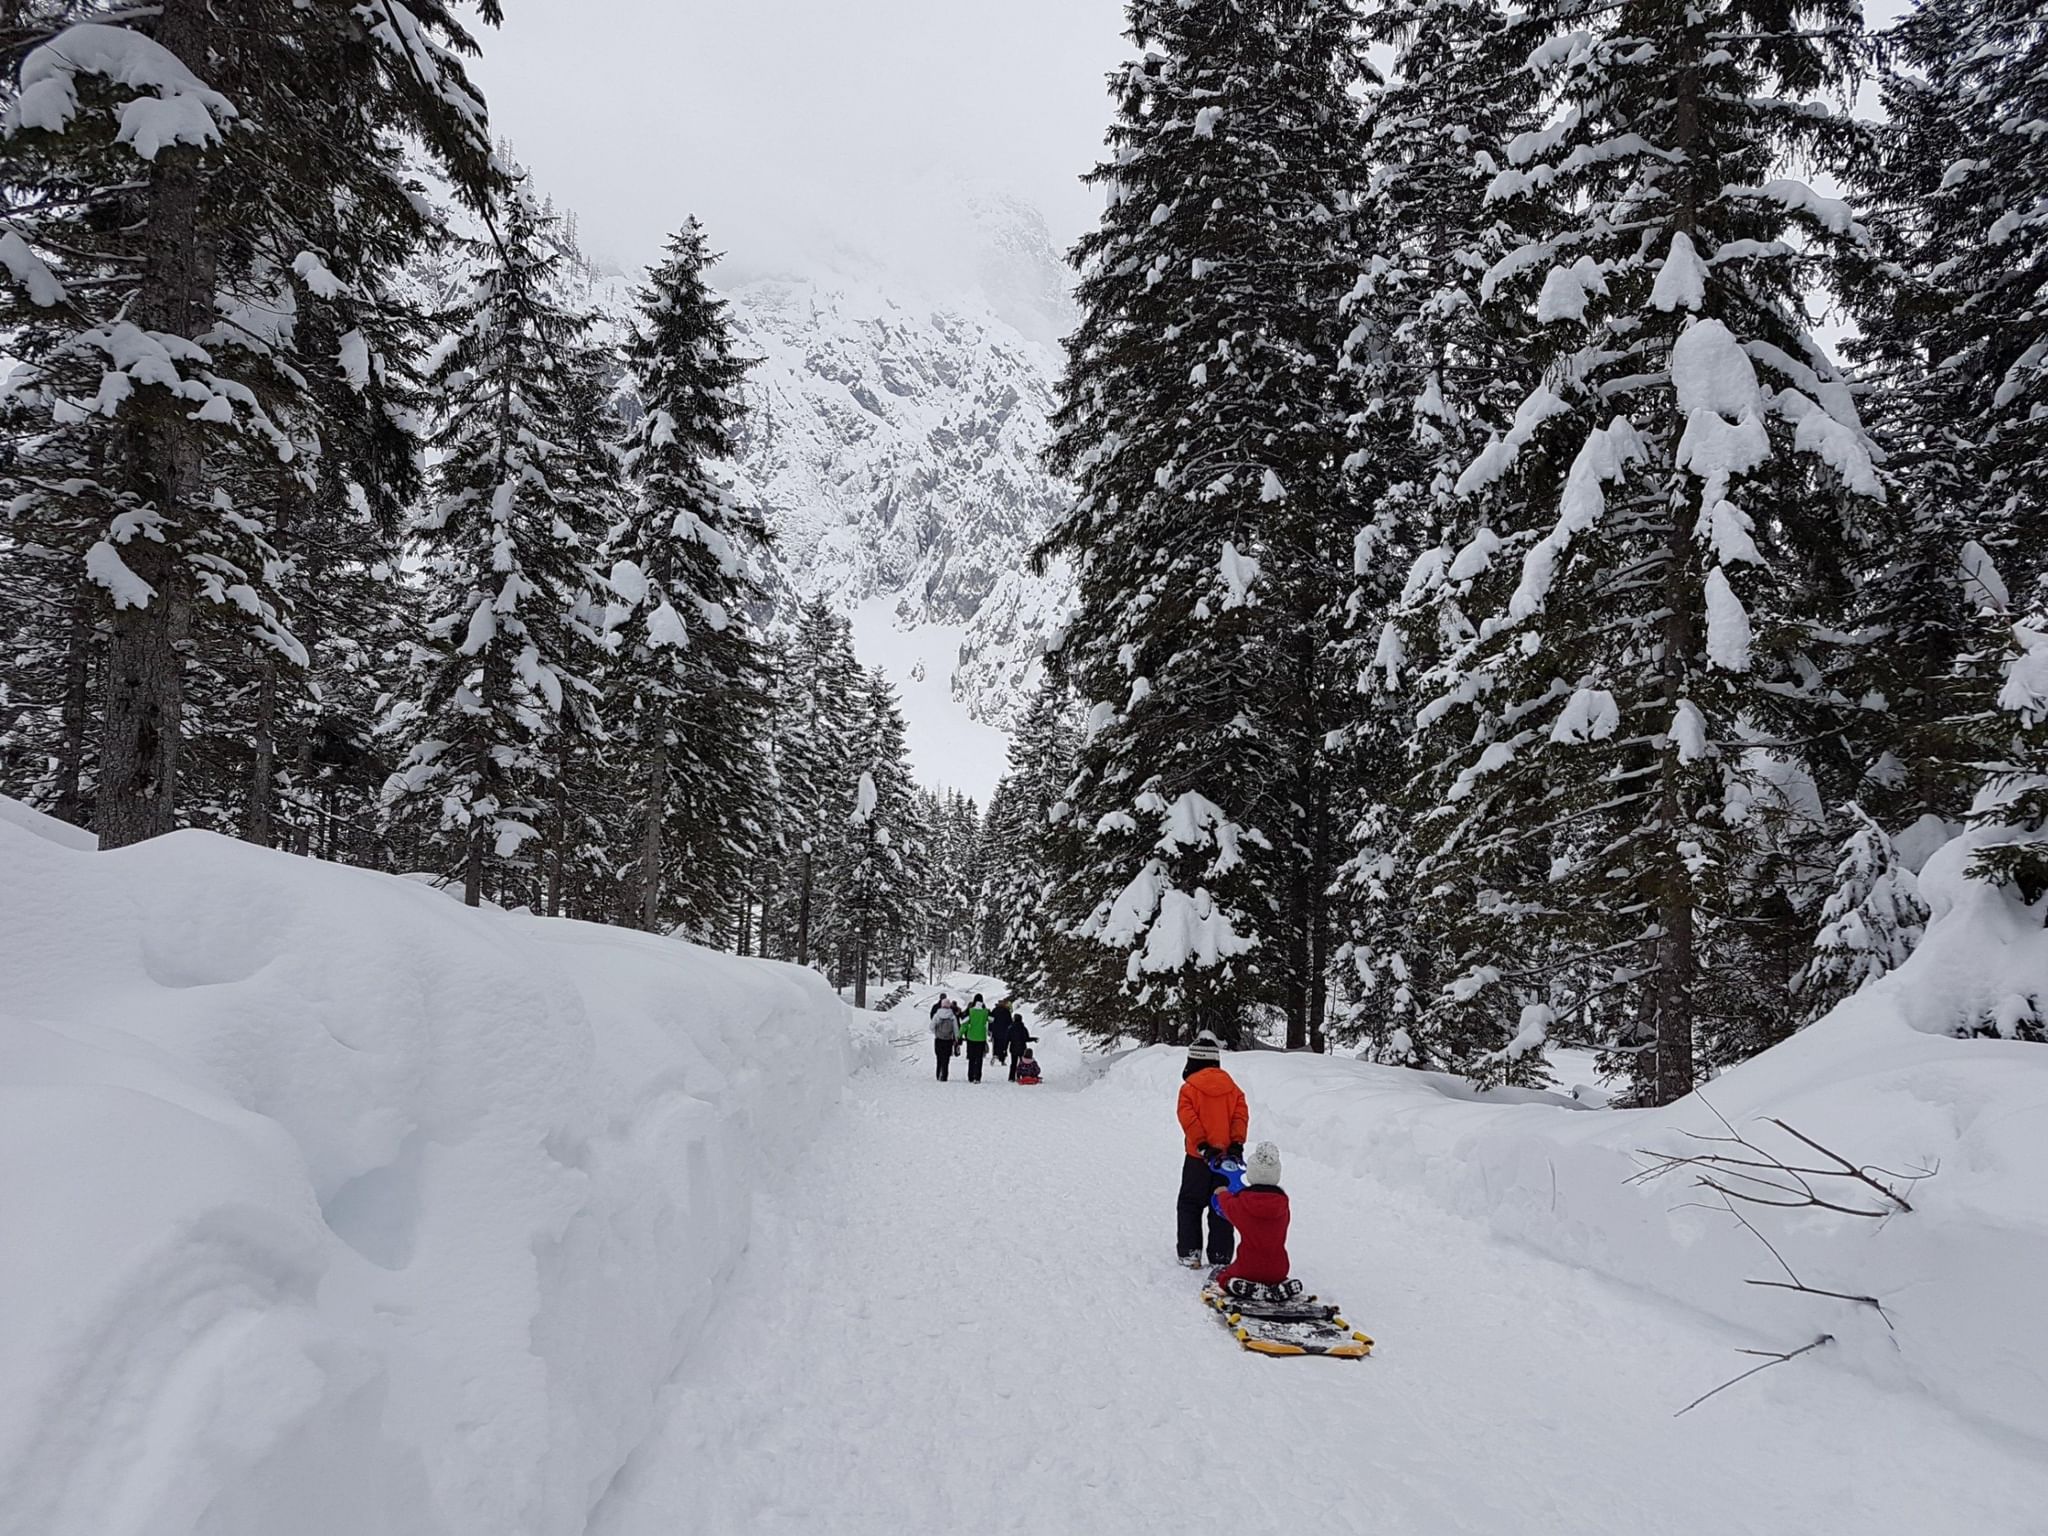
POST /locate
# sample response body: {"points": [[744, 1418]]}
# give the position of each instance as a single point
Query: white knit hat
{"points": [[1263, 1166], [1206, 1048]]}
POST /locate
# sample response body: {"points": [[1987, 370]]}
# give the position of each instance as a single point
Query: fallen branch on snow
{"points": [[1754, 1175]]}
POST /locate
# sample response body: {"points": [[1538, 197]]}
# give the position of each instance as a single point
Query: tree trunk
{"points": [[147, 648], [653, 813], [1294, 958], [561, 838], [473, 867], [1675, 974], [146, 652], [803, 909], [302, 829], [1319, 914], [260, 826], [1677, 960], [69, 802]]}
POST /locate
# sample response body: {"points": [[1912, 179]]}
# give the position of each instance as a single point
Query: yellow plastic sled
{"points": [[1298, 1325]]}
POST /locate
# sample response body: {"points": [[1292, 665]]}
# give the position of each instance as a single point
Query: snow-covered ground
{"points": [[333, 1208], [949, 748], [329, 1207], [965, 1315]]}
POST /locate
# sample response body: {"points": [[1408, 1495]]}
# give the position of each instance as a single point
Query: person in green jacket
{"points": [[975, 1032]]}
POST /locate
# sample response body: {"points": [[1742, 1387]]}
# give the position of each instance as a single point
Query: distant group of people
{"points": [[977, 1029]]}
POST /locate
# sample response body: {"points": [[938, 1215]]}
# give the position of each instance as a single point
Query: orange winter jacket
{"points": [[1213, 1112]]}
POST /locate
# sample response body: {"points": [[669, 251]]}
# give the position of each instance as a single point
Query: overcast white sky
{"points": [[779, 121]]}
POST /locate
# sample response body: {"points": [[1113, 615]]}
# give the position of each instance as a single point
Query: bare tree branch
{"points": [[1772, 1357]]}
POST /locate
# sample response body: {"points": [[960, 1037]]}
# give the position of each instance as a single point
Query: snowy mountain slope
{"points": [[896, 443], [335, 1208], [895, 436]]}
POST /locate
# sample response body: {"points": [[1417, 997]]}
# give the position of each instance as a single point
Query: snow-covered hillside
{"points": [[896, 427], [334, 1208]]}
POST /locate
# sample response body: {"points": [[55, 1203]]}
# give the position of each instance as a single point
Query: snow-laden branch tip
{"points": [[179, 108], [28, 269]]}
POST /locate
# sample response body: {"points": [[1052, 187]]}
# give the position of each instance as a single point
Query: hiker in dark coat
{"points": [[1020, 1047]]}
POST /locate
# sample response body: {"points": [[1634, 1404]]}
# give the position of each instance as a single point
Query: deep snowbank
{"points": [[334, 1208], [1880, 1081]]}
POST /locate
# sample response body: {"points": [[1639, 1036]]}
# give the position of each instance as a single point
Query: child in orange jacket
{"points": [[1214, 1121]]}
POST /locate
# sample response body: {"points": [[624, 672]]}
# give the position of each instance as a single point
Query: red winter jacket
{"points": [[1259, 1212]]}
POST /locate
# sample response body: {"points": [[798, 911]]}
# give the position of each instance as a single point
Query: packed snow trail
{"points": [[966, 1317]]}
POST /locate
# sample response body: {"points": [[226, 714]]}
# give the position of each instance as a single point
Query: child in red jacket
{"points": [[1259, 1212]]}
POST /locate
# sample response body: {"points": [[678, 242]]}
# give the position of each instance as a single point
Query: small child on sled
{"points": [[1024, 1066], [1254, 1203]]}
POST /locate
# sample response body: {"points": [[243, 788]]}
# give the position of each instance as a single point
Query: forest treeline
{"points": [[1500, 619]]}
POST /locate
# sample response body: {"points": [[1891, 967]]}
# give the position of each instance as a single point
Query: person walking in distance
{"points": [[975, 1031], [1000, 1024], [1214, 1121], [945, 1034]]}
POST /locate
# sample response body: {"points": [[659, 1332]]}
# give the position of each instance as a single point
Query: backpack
{"points": [[946, 1023]]}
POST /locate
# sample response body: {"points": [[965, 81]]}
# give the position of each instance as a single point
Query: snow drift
{"points": [[1884, 1080], [333, 1207]]}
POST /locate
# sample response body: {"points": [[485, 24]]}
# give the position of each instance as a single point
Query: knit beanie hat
{"points": [[1263, 1166], [1207, 1048]]}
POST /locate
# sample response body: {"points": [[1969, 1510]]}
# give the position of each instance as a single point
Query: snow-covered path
{"points": [[967, 1318]]}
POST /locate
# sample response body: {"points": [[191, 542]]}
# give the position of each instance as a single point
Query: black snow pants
{"points": [[943, 1049], [1197, 1183], [976, 1050]]}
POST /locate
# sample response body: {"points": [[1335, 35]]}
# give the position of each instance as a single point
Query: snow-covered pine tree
{"points": [[507, 543], [1957, 346], [1699, 467], [685, 684], [819, 703], [160, 160], [52, 509], [881, 871], [1871, 923], [1437, 377], [1016, 930], [955, 859], [1202, 421]]}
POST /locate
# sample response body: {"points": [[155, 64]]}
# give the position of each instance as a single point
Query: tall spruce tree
{"points": [[1606, 748], [507, 542], [166, 165], [816, 730], [1018, 933], [881, 870], [686, 683], [1956, 343], [1437, 378], [1202, 420]]}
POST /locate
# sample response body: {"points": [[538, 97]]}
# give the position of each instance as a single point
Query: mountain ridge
{"points": [[895, 435]]}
